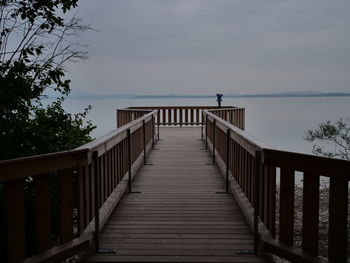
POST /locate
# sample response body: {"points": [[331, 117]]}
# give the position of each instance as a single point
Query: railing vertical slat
{"points": [[101, 180], [164, 116], [181, 116], [81, 198], [158, 117], [266, 200], [16, 240], [311, 186], [170, 120], [42, 212], [105, 177], [129, 154], [87, 185], [90, 173], [192, 116], [249, 177], [186, 115], [110, 171], [272, 200], [175, 116], [287, 206], [243, 119], [113, 183], [338, 216], [66, 206], [235, 162], [214, 140]]}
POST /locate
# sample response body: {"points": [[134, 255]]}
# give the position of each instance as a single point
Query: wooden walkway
{"points": [[178, 216]]}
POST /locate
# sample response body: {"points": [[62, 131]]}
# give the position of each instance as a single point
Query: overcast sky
{"points": [[210, 46]]}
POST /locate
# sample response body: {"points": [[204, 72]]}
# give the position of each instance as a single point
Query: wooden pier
{"points": [[181, 214], [172, 184]]}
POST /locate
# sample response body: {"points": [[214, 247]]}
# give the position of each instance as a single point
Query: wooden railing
{"points": [[233, 115], [56, 204], [183, 115], [251, 169], [125, 116]]}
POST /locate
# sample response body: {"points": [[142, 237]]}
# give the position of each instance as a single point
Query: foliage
{"points": [[36, 41], [331, 139]]}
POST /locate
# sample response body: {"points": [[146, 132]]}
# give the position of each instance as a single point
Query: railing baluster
{"points": [[158, 117], [101, 179], [16, 234], [42, 212], [287, 206], [272, 200], [89, 171], [256, 199], [214, 140], [338, 216], [144, 142], [129, 159], [81, 200], [311, 197], [89, 190], [113, 163], [96, 169], [66, 206], [164, 116], [192, 116], [175, 116], [170, 120], [228, 139]]}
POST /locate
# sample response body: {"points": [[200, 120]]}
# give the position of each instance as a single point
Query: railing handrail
{"points": [[108, 164], [325, 166], [40, 164], [225, 108], [253, 166], [135, 109], [179, 107], [253, 142], [117, 135], [44, 163], [276, 156]]}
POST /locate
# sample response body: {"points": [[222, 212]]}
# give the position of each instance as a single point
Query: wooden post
{"points": [[97, 200], [16, 240], [256, 199], [201, 122], [311, 199], [206, 131], [214, 127], [66, 205], [287, 206], [337, 229], [42, 212], [129, 159], [153, 132], [144, 141], [228, 135]]}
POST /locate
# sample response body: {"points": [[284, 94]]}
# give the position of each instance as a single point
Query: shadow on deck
{"points": [[181, 213]]}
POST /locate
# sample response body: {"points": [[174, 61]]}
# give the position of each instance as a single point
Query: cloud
{"points": [[157, 46]]}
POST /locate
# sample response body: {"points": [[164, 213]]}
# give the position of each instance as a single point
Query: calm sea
{"points": [[278, 122]]}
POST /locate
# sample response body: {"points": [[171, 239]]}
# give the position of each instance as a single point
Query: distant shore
{"points": [[79, 95]]}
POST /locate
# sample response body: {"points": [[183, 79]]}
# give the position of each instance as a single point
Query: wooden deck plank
{"points": [[178, 216]]}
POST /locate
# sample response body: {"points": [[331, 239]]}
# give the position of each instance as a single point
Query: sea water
{"points": [[279, 122]]}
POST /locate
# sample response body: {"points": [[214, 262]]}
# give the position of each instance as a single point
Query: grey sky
{"points": [[209, 46]]}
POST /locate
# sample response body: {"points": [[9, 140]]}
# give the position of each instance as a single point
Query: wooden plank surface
{"points": [[178, 216]]}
